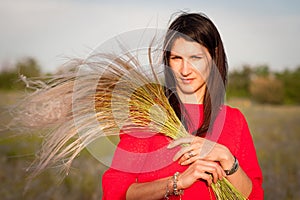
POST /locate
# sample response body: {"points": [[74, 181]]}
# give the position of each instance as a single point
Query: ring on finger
{"points": [[191, 154]]}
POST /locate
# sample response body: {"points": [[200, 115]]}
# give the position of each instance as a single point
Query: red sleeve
{"points": [[115, 184], [248, 160], [117, 179], [131, 158]]}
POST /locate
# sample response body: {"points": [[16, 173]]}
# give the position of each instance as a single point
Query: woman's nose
{"points": [[185, 67]]}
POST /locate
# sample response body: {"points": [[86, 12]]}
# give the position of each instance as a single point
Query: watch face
{"points": [[234, 168]]}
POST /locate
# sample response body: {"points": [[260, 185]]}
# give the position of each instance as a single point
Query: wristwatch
{"points": [[234, 167]]}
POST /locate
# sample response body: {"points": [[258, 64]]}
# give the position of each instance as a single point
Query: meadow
{"points": [[275, 130]]}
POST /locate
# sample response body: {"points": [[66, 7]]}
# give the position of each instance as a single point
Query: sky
{"points": [[257, 32]]}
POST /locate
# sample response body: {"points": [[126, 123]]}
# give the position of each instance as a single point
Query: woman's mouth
{"points": [[186, 80]]}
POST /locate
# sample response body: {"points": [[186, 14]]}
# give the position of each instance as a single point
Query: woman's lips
{"points": [[186, 80]]}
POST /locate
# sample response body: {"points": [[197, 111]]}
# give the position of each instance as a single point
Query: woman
{"points": [[220, 145]]}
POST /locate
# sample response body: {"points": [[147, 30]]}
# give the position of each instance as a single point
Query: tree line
{"points": [[10, 74], [257, 83], [262, 85]]}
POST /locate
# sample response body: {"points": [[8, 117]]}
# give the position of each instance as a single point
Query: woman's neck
{"points": [[190, 99], [194, 98]]}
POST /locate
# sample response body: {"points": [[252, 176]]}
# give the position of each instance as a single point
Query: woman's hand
{"points": [[201, 148], [200, 169]]}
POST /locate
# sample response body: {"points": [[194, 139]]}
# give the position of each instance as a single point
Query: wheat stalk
{"points": [[121, 85], [151, 110]]}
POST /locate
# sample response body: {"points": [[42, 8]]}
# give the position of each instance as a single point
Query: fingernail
{"points": [[176, 157], [170, 146]]}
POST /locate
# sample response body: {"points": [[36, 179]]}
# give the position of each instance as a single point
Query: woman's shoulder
{"points": [[232, 117], [232, 112], [229, 128]]}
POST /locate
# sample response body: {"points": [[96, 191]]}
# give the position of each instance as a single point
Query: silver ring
{"points": [[190, 153]]}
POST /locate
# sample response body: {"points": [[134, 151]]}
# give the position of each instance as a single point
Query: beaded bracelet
{"points": [[167, 191], [176, 192], [175, 189]]}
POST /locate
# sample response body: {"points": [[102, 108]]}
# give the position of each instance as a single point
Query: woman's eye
{"points": [[196, 57], [175, 57]]}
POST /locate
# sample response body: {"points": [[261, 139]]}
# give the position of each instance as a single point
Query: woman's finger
{"points": [[192, 154], [180, 141], [207, 177], [183, 152], [211, 168], [190, 160]]}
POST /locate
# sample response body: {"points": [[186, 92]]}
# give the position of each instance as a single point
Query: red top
{"points": [[143, 157]]}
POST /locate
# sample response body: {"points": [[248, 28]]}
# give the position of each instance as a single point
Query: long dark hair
{"points": [[198, 28]]}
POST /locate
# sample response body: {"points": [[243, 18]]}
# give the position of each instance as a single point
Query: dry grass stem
{"points": [[99, 97]]}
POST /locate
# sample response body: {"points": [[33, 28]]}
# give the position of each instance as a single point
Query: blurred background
{"points": [[261, 40]]}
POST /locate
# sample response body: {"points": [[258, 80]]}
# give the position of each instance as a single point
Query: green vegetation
{"points": [[290, 80], [258, 83], [10, 75], [263, 86]]}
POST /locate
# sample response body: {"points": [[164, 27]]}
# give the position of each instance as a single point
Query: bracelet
{"points": [[175, 189], [234, 167], [167, 194]]}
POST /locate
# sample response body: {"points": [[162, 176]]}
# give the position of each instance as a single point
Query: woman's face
{"points": [[190, 63]]}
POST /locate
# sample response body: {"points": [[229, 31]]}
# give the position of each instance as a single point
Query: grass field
{"points": [[276, 134], [275, 129]]}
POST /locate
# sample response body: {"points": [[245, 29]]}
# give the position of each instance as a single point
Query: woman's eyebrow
{"points": [[175, 54]]}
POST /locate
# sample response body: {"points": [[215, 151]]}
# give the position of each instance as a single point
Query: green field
{"points": [[275, 129]]}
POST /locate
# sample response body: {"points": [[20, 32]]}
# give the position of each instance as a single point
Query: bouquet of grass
{"points": [[110, 93], [148, 109]]}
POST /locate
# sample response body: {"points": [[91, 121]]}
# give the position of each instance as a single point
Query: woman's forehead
{"points": [[183, 46]]}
